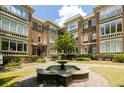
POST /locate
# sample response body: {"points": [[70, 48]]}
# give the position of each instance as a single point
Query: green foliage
{"points": [[65, 42], [54, 57], [17, 59], [104, 56], [83, 59], [40, 60], [119, 58]]}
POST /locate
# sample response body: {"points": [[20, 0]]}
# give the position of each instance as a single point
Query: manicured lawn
{"points": [[115, 76], [12, 78], [100, 62]]}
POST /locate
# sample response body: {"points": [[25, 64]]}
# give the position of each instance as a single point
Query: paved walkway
{"points": [[95, 80]]}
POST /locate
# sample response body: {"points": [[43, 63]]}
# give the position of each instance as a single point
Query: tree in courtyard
{"points": [[65, 43]]}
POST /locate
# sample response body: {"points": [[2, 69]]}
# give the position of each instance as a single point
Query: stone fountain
{"points": [[62, 75]]}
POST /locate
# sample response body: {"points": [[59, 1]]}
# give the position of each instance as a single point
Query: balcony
{"points": [[12, 34], [110, 36]]}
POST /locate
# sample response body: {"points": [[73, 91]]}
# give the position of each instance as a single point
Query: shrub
{"points": [[70, 56], [119, 58], [84, 55], [41, 60], [103, 56], [54, 57], [83, 59], [19, 59]]}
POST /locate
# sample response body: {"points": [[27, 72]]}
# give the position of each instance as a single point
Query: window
{"points": [[119, 27], [25, 47], [113, 46], [20, 29], [107, 29], [13, 45], [5, 44], [5, 24], [85, 25], [109, 46], [102, 31], [94, 36], [25, 30], [13, 26], [94, 22], [110, 11], [113, 27], [72, 26], [35, 26], [19, 46], [13, 9], [85, 37]]}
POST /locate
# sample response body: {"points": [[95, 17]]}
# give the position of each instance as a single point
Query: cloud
{"points": [[68, 11]]}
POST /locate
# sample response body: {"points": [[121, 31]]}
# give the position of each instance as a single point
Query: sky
{"points": [[59, 13]]}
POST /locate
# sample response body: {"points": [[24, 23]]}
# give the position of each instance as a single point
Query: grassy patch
{"points": [[100, 62], [11, 78], [115, 76]]}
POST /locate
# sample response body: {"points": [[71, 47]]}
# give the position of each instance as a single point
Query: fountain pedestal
{"points": [[62, 62]]}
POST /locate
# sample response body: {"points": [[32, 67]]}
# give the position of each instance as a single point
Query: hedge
{"points": [[83, 59], [119, 58], [17, 59]]}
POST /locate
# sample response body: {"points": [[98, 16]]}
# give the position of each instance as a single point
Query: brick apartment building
{"points": [[21, 33], [14, 26], [100, 32], [42, 37]]}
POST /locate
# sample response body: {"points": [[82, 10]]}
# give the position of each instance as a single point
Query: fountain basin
{"points": [[55, 76]]}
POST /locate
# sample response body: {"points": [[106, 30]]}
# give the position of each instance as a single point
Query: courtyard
{"points": [[101, 74]]}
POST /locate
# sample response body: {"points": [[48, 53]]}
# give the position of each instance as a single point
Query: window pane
{"points": [[25, 30], [19, 46], [5, 24], [5, 45], [13, 45], [13, 26], [93, 22], [102, 31], [113, 28], [20, 29], [25, 47], [107, 29], [119, 27], [13, 9]]}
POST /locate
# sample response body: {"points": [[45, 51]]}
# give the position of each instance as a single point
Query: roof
{"points": [[72, 18], [51, 21]]}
